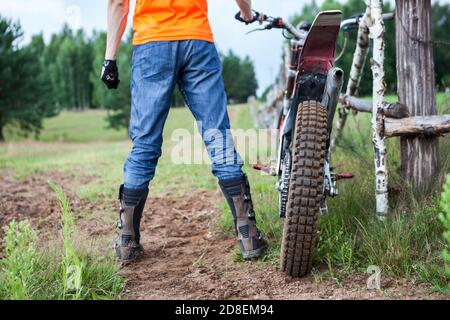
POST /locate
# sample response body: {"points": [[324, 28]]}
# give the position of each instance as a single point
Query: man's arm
{"points": [[117, 23], [246, 9]]}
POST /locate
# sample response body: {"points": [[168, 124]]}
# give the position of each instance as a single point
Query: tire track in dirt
{"points": [[186, 255]]}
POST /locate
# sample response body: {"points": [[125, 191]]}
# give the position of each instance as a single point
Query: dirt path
{"points": [[187, 256]]}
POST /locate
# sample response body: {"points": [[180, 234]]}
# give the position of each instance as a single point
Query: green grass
{"points": [[29, 272], [445, 219], [72, 265], [74, 127], [17, 270]]}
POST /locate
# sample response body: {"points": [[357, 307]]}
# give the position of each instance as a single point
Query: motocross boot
{"points": [[237, 194], [127, 245]]}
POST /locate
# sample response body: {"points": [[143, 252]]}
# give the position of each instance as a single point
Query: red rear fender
{"points": [[320, 47]]}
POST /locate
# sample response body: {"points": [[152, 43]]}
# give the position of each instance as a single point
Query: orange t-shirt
{"points": [[171, 20]]}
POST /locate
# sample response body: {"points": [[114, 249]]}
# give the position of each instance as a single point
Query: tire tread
{"points": [[305, 189]]}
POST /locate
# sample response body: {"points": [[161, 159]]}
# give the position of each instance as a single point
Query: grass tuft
{"points": [[445, 219], [18, 268], [73, 274]]}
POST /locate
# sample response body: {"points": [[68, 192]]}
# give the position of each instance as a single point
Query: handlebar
{"points": [[353, 22], [279, 23], [256, 16], [271, 23]]}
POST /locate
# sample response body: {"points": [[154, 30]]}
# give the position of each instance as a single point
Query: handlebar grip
{"points": [[238, 17], [255, 17]]}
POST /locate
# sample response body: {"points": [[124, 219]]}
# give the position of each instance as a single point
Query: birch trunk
{"points": [[361, 51], [380, 153], [359, 61], [416, 89]]}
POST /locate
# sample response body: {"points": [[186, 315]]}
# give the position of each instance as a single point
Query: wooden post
{"points": [[380, 152], [416, 88]]}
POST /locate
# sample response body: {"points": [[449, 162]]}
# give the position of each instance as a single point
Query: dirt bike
{"points": [[305, 175]]}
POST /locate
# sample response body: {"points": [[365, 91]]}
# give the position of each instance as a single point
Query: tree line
{"points": [[40, 79]]}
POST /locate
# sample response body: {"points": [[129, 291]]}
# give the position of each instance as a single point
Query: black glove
{"points": [[256, 16], [110, 74]]}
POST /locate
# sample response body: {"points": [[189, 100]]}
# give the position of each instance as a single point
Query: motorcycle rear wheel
{"points": [[305, 189]]}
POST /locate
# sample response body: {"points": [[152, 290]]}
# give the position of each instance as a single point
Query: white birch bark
{"points": [[359, 61], [361, 51], [381, 175]]}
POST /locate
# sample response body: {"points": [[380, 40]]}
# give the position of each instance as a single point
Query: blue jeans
{"points": [[196, 68]]}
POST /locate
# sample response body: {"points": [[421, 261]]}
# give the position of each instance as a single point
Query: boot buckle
{"points": [[120, 224], [121, 212]]}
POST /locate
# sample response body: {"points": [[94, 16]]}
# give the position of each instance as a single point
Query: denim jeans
{"points": [[196, 68]]}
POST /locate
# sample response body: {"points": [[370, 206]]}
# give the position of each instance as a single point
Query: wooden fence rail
{"points": [[390, 110], [417, 126]]}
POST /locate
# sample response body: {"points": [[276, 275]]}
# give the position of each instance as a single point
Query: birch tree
{"points": [[380, 152]]}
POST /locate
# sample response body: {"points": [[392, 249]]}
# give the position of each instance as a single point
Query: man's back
{"points": [[171, 20]]}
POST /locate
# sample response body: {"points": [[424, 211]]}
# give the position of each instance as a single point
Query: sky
{"points": [[264, 48]]}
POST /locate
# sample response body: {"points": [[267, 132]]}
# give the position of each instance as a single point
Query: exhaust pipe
{"points": [[333, 88]]}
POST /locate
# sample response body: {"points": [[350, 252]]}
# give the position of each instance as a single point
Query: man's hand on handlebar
{"points": [[268, 23], [247, 20]]}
